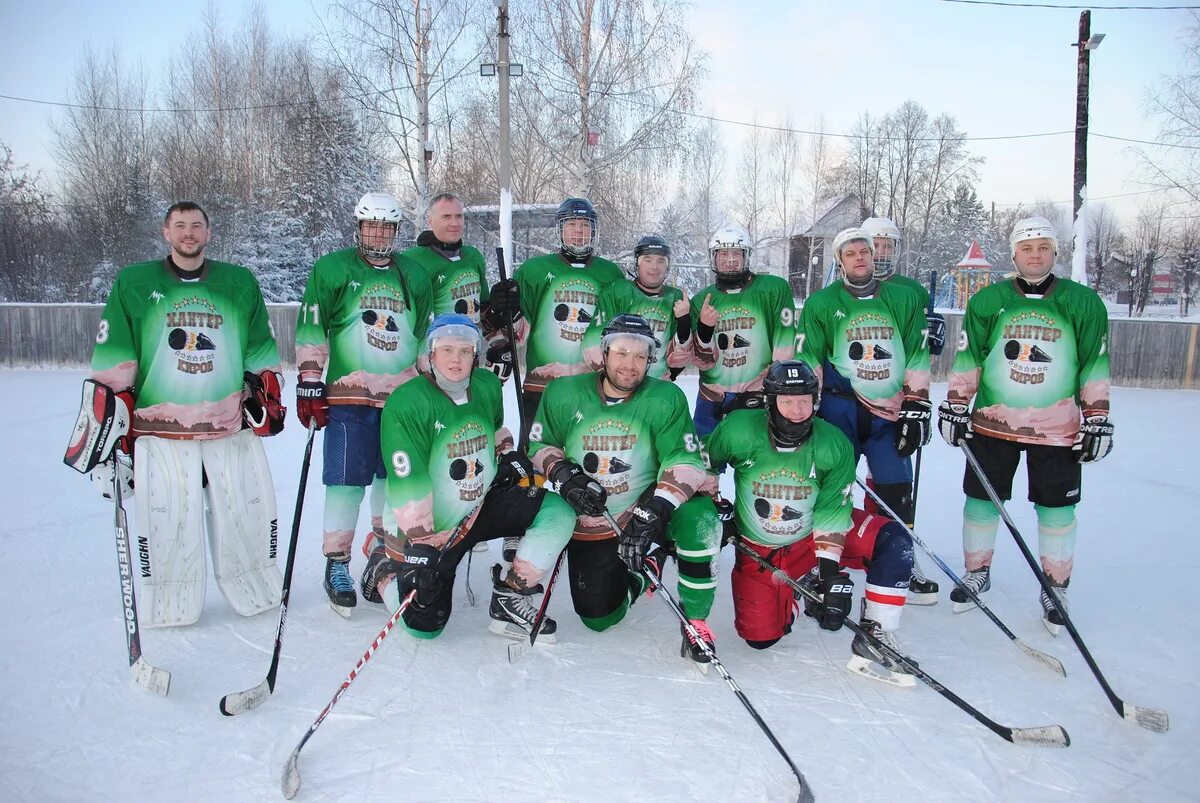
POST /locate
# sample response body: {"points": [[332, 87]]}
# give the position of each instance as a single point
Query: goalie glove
{"points": [[263, 410], [103, 424]]}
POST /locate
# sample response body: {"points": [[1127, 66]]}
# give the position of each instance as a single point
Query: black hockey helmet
{"points": [[628, 324], [652, 244], [790, 378], [571, 209]]}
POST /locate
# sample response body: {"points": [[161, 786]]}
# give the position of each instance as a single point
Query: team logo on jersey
{"points": [[194, 348], [467, 472], [733, 335], [608, 446], [156, 296], [870, 337], [381, 306], [1028, 362], [465, 296], [574, 306], [779, 497]]}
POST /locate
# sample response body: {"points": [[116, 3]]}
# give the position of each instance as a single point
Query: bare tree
{"points": [[1104, 241], [1186, 270], [33, 251], [785, 179], [1175, 103], [818, 169], [1148, 241], [751, 187]]}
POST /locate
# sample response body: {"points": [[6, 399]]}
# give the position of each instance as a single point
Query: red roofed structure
{"points": [[972, 273]]}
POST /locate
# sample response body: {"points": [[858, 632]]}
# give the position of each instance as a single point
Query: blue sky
{"points": [[998, 70]]}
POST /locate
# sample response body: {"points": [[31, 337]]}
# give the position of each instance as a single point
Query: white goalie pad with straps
{"points": [[243, 530], [169, 533]]}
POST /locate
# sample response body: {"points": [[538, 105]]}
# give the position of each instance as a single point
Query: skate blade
{"points": [[963, 607], [870, 669], [702, 667], [928, 598], [341, 610], [1051, 628], [516, 632]]}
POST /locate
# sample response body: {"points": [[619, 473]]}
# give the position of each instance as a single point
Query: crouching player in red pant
{"points": [[793, 474]]}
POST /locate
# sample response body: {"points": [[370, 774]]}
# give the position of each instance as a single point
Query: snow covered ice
{"points": [[599, 716]]}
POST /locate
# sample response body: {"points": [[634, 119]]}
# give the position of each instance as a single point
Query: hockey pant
{"points": [[603, 588], [764, 608], [186, 486], [543, 517]]}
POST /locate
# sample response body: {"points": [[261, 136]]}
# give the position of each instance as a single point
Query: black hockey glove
{"points": [[500, 358], [912, 428], [579, 490], [937, 332], [1095, 439], [837, 595], [748, 400], [725, 511], [647, 525], [419, 572], [512, 467], [504, 306], [954, 422]]}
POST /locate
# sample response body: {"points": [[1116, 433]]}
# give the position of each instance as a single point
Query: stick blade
{"points": [[151, 677], [806, 794], [291, 775], [1045, 659], [1046, 736], [239, 702], [518, 650], [1154, 719]]}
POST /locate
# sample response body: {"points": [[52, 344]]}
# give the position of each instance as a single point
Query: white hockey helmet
{"points": [[379, 207], [730, 237], [1033, 228], [847, 236], [882, 228]]}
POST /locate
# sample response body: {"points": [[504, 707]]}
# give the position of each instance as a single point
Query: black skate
{"points": [[379, 566], [339, 585], [978, 581], [921, 590], [1051, 618], [875, 664], [513, 614], [690, 648]]}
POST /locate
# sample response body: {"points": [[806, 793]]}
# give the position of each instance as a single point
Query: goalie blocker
{"points": [[102, 425]]}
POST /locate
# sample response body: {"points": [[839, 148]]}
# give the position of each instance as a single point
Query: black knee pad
{"points": [[433, 615], [761, 645], [599, 578]]}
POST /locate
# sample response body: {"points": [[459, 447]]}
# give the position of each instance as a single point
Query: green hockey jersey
{"points": [[459, 283], [878, 345], [440, 456], [558, 300], [626, 297], [361, 326], [784, 496], [757, 325], [184, 346], [1033, 364], [647, 441]]}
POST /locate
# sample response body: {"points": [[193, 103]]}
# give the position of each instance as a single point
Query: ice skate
{"points": [[513, 613], [875, 664], [978, 581], [339, 585], [921, 590], [690, 648], [1051, 618]]}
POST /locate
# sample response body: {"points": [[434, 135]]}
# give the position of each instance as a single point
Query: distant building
{"points": [[972, 273], [810, 255]]}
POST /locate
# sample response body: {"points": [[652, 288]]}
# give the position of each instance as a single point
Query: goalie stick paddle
{"points": [[517, 650], [1046, 736], [1045, 659], [1154, 719], [147, 676], [239, 702], [806, 794]]}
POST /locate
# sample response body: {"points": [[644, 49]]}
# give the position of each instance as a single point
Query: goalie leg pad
{"points": [[169, 507], [243, 530]]}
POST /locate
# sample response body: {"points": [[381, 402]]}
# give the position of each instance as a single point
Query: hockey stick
{"points": [[239, 702], [806, 794], [290, 783], [149, 677], [1046, 660], [517, 650], [1154, 719], [516, 363], [1045, 736]]}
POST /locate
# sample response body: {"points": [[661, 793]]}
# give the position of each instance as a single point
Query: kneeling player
{"points": [[793, 474], [189, 338], [452, 483], [620, 440]]}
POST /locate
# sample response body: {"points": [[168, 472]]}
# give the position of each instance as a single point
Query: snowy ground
{"points": [[613, 716]]}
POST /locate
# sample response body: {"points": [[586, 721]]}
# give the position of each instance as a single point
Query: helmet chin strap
{"points": [[1034, 281]]}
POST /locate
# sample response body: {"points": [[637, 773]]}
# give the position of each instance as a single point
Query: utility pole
{"points": [[505, 177], [421, 46], [1086, 44]]}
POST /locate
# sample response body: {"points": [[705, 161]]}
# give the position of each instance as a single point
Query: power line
{"points": [[1096, 198], [1070, 8]]}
